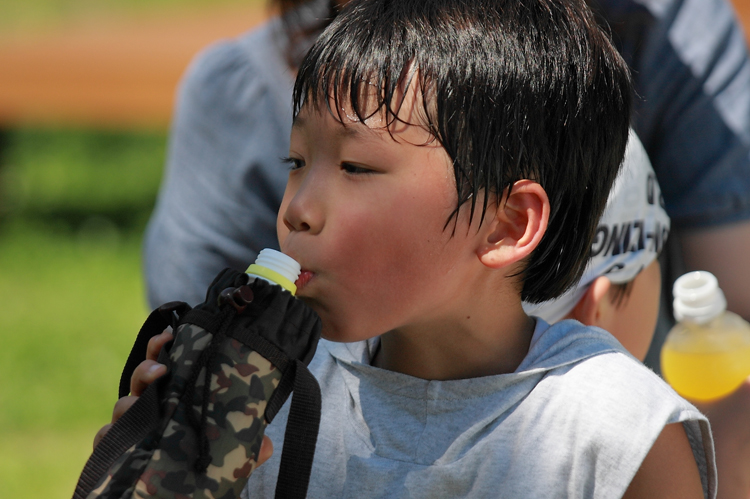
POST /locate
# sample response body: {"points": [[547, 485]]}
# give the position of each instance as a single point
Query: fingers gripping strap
{"points": [[301, 435], [157, 321]]}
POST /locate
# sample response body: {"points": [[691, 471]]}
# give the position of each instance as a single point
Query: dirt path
{"points": [[112, 73], [118, 73]]}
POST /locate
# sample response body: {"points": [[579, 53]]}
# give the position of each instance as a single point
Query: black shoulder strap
{"points": [[131, 428], [301, 434], [143, 415]]}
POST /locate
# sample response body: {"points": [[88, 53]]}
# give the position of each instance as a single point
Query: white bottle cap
{"points": [[276, 268], [698, 298]]}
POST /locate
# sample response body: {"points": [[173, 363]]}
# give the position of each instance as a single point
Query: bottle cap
{"points": [[697, 298], [277, 268]]}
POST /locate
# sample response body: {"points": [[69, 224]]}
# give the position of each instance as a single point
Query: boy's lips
{"points": [[303, 279]]}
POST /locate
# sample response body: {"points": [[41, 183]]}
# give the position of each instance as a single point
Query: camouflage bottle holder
{"points": [[196, 432]]}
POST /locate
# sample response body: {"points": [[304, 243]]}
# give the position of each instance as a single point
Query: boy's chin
{"points": [[340, 334], [336, 328], [335, 335]]}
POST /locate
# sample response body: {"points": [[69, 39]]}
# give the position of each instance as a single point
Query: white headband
{"points": [[631, 232]]}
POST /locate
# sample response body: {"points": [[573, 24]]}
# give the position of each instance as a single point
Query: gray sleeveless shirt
{"points": [[575, 420]]}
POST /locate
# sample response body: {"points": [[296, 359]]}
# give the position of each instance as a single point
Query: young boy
{"points": [[619, 290], [449, 159]]}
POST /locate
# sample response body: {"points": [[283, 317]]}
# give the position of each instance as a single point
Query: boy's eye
{"points": [[355, 170], [294, 163]]}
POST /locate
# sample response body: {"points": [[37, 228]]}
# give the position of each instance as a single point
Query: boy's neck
{"points": [[474, 345]]}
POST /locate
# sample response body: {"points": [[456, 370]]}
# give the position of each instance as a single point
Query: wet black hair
{"points": [[512, 89]]}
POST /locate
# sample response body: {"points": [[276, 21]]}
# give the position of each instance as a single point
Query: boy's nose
{"points": [[304, 212]]}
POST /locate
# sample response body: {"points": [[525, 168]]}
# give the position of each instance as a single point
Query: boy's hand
{"points": [[146, 373]]}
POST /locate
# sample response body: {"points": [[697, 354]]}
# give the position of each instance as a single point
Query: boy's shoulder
{"points": [[588, 371], [591, 366]]}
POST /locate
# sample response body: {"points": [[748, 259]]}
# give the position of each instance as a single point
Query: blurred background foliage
{"points": [[81, 180], [73, 205], [34, 14]]}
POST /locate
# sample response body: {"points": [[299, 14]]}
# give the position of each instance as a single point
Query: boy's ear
{"points": [[593, 309], [517, 226]]}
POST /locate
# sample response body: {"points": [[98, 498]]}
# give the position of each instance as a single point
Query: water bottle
{"points": [[234, 360], [277, 268], [706, 355]]}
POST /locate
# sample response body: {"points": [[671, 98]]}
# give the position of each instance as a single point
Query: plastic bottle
{"points": [[707, 353], [277, 268]]}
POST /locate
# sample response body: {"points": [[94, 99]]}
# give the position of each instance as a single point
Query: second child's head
{"points": [[445, 151], [620, 289]]}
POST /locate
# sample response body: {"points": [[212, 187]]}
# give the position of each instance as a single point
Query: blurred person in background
{"points": [[224, 178]]}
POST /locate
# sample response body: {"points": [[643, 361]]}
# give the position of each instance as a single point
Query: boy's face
{"points": [[364, 213]]}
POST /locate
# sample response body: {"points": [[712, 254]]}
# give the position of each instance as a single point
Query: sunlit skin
{"points": [[365, 214], [633, 321]]}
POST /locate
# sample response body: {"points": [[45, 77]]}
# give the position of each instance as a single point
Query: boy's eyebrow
{"points": [[345, 131]]}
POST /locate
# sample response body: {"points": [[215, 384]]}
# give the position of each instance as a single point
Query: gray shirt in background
{"points": [[224, 178]]}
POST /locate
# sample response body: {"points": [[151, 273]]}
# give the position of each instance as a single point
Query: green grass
{"points": [[71, 308], [71, 294], [42, 464]]}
